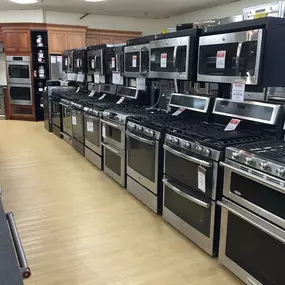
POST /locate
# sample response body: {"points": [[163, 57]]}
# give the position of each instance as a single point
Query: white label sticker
{"points": [[96, 78], [102, 97], [92, 93], [80, 77], [78, 62], [59, 58], [221, 59], [163, 60], [92, 63], [103, 131], [113, 64], [178, 112], [41, 89], [77, 90], [140, 84], [117, 78], [232, 125], [202, 179], [90, 127], [238, 92], [40, 55], [66, 62], [74, 120], [121, 100], [134, 61], [102, 78], [53, 59]]}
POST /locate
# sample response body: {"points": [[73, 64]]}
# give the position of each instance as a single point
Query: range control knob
{"points": [[139, 128], [199, 149], [207, 152], [151, 133], [249, 160], [133, 127], [175, 140], [188, 145], [280, 172], [265, 165], [235, 155]]}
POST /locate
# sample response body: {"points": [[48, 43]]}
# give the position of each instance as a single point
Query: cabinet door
{"points": [[57, 42], [75, 40], [106, 39], [118, 40], [93, 40], [10, 41], [24, 41]]}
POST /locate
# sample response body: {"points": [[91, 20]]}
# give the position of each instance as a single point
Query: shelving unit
{"points": [[39, 83]]}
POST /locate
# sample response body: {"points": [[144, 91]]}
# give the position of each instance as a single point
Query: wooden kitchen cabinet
{"points": [[56, 42], [1, 35], [17, 41], [10, 41], [24, 41], [75, 40]]}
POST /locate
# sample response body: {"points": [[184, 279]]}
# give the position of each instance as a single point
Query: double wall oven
{"points": [[243, 51]]}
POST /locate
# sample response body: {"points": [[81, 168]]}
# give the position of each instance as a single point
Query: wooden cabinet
{"points": [[17, 41], [56, 42], [1, 35], [92, 40], [75, 40]]}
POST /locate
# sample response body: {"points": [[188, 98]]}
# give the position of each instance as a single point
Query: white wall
{"points": [[21, 16], [217, 12]]}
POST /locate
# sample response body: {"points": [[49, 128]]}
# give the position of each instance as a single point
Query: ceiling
{"points": [[131, 8]]}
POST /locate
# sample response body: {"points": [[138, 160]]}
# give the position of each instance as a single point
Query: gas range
{"points": [[94, 106]]}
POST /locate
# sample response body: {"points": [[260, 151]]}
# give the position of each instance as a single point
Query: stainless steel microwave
{"points": [[68, 61], [251, 51]]}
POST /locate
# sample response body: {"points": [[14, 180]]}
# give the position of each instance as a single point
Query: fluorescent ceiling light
{"points": [[24, 1], [94, 0]]}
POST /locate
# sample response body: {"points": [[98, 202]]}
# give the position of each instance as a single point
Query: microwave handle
{"points": [[175, 57], [140, 62], [102, 63], [95, 59], [117, 62], [239, 48]]}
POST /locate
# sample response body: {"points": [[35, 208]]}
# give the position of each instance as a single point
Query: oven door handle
{"points": [[23, 263], [111, 124], [150, 142], [254, 220], [187, 157], [188, 197], [64, 105], [110, 148], [252, 177], [92, 118], [239, 48]]}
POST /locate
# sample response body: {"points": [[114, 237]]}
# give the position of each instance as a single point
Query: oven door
{"points": [[140, 149], [191, 170], [256, 191], [21, 94], [77, 125], [251, 247], [190, 212], [227, 57], [169, 59], [66, 119], [114, 62], [136, 61], [65, 62], [93, 133], [113, 134], [96, 61], [114, 163], [56, 113], [19, 72]]}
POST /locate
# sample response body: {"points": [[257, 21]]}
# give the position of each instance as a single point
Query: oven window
{"points": [[132, 62], [113, 161], [196, 216], [186, 172], [19, 71], [142, 158], [161, 59], [20, 93], [92, 132], [255, 251], [258, 194], [113, 133]]}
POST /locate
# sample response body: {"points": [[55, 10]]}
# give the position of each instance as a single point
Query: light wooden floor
{"points": [[80, 227]]}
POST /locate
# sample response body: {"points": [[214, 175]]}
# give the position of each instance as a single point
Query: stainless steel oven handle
{"points": [[23, 263], [110, 148], [254, 220], [64, 105], [187, 157], [188, 197], [140, 138], [111, 124], [91, 118], [252, 177], [239, 48]]}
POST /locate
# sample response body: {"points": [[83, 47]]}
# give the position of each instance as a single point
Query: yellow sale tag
{"points": [[260, 15]]}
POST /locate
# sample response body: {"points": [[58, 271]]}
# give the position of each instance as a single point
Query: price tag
{"points": [[121, 100], [202, 179], [117, 78], [93, 63], [178, 112], [91, 93], [53, 59], [74, 120], [80, 77], [140, 83], [163, 60], [102, 78], [66, 62], [238, 90], [78, 62], [77, 90], [134, 61], [221, 59], [102, 97], [232, 125], [96, 78], [260, 15], [113, 64], [90, 127], [41, 89], [103, 131], [59, 58]]}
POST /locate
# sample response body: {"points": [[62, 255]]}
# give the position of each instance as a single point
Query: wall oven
{"points": [[20, 94], [243, 51], [175, 57], [19, 69]]}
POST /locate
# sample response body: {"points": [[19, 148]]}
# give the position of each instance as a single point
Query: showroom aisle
{"points": [[80, 227]]}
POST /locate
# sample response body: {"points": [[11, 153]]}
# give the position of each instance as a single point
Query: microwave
{"points": [[250, 51], [80, 60], [114, 57], [68, 61], [96, 59], [136, 61], [174, 55], [19, 69]]}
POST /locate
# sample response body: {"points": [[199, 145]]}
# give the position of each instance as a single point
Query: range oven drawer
{"points": [[251, 247]]}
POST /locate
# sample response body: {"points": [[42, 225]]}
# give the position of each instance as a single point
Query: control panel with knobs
{"points": [[280, 172], [265, 165]]}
